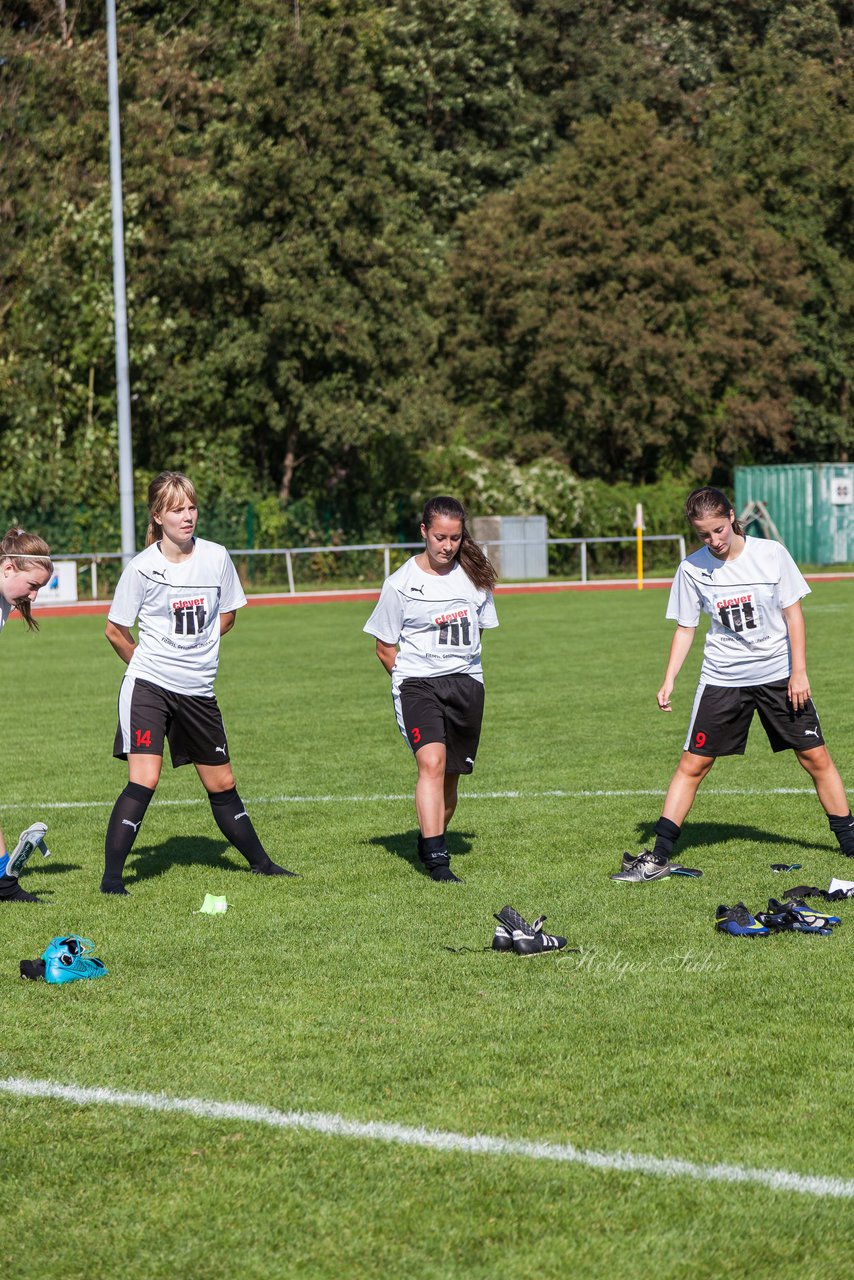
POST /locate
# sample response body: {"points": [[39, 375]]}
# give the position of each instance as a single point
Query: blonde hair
{"points": [[168, 490], [27, 551]]}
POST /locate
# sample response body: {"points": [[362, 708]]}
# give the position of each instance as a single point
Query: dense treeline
{"points": [[535, 251]]}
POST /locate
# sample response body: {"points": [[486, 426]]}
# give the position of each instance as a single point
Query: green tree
{"points": [[783, 129], [626, 306], [449, 85]]}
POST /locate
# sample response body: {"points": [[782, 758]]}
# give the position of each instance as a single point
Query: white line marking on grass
{"points": [[335, 1126], [388, 797]]}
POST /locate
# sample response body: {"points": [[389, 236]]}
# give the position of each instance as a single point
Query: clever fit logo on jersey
{"points": [[454, 629], [189, 615], [738, 613]]}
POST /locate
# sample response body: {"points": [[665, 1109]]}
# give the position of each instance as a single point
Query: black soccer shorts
{"points": [[446, 709], [150, 716], [722, 716]]}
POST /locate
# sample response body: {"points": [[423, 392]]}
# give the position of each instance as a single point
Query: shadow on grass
{"points": [[405, 846], [701, 834], [52, 868], [150, 861]]}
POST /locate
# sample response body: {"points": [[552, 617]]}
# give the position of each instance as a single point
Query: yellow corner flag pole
{"points": [[639, 530]]}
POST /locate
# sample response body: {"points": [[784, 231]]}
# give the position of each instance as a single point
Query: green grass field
{"points": [[338, 993]]}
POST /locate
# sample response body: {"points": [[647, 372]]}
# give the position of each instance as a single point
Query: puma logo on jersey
{"points": [[811, 733], [707, 573], [419, 589], [126, 822], [222, 749], [158, 573]]}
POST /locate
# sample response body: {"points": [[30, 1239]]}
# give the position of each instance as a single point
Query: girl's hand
{"points": [[663, 697], [799, 690]]}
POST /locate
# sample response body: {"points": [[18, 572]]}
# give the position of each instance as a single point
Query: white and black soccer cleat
{"points": [[526, 939], [502, 939]]}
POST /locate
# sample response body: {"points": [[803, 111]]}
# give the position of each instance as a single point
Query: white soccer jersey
{"points": [[5, 610], [748, 641], [178, 607], [436, 619]]}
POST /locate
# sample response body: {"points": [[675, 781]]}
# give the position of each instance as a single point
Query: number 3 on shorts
{"points": [[416, 735]]}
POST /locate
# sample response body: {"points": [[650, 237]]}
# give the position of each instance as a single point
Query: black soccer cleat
{"points": [[527, 939]]}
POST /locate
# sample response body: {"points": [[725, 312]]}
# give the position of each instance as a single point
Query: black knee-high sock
{"points": [[125, 820], [235, 824], [666, 835], [842, 826]]}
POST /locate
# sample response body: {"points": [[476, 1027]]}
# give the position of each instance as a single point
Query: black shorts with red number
{"points": [[446, 709], [722, 715], [150, 716]]}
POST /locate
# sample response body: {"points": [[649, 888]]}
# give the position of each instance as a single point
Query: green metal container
{"points": [[812, 506]]}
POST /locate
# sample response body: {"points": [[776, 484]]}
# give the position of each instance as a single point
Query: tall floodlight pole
{"points": [[119, 296]]}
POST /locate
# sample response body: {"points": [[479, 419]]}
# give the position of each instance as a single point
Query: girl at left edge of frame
{"points": [[25, 567]]}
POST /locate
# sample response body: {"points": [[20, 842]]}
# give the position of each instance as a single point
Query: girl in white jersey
{"points": [[25, 567], [427, 625], [754, 660], [185, 593]]}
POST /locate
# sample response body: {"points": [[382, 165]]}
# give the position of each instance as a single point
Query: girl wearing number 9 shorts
{"points": [[184, 592], [427, 624], [754, 660]]}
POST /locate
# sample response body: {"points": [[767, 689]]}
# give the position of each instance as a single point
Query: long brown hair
{"points": [[26, 551], [711, 502], [165, 492], [470, 555]]}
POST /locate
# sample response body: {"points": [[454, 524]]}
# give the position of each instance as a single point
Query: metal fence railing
{"points": [[103, 567]]}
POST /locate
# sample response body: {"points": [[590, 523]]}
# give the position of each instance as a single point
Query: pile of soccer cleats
{"points": [[649, 866], [65, 959], [781, 917], [513, 933]]}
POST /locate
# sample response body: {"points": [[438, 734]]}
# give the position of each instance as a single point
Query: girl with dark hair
{"points": [[427, 624], [754, 661], [25, 567], [185, 593]]}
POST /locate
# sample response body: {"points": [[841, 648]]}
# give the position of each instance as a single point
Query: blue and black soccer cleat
{"points": [[807, 914], [63, 967], [788, 921], [738, 922]]}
